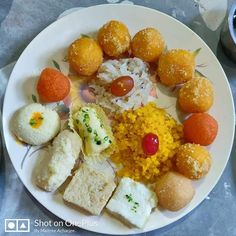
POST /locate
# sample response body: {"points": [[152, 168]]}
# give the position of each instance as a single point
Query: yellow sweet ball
{"points": [[193, 161], [148, 44], [85, 56], [176, 66], [114, 38], [197, 95]]}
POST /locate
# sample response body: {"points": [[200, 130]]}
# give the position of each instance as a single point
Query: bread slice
{"points": [[89, 189]]}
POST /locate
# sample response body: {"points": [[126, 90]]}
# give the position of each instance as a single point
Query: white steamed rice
{"points": [[111, 70]]}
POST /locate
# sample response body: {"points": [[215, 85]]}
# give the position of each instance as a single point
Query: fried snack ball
{"points": [[197, 95], [114, 38], [174, 191], [200, 128], [85, 56], [193, 161], [148, 44], [176, 67], [52, 86]]}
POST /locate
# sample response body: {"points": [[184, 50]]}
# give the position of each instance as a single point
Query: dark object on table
{"points": [[228, 34]]}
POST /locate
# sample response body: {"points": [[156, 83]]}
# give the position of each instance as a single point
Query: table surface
{"points": [[22, 20]]}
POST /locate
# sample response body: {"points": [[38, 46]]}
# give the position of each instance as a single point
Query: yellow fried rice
{"points": [[130, 127]]}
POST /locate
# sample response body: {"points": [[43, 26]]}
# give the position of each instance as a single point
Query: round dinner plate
{"points": [[52, 43]]}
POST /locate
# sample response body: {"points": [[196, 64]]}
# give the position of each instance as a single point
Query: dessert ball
{"points": [[200, 128], [174, 191], [176, 67], [148, 44], [193, 161], [52, 86], [197, 95], [114, 38], [85, 56]]}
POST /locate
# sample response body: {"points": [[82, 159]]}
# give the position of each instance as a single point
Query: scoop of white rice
{"points": [[35, 136], [111, 70]]}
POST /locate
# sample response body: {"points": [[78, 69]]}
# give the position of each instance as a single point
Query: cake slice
{"points": [[89, 189], [132, 202]]}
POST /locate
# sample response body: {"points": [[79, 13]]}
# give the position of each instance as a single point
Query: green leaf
{"points": [[84, 36], [199, 74], [34, 98], [65, 59], [56, 65], [196, 52]]}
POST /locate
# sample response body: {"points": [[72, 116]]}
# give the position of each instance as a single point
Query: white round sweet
{"points": [[35, 124]]}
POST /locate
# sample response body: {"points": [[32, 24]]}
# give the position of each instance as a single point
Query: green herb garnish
{"points": [[86, 118], [134, 209], [89, 129], [32, 122], [135, 204], [129, 197]]}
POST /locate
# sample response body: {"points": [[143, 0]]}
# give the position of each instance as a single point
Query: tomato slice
{"points": [[122, 86]]}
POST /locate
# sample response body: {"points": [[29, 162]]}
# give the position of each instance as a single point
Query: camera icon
{"points": [[17, 225], [10, 225]]}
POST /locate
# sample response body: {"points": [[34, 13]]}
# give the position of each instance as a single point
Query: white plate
{"points": [[52, 43]]}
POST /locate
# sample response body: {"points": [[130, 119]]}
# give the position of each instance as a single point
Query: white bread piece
{"points": [[89, 189], [62, 156], [132, 202]]}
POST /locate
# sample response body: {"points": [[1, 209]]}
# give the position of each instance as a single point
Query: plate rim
{"points": [[4, 122]]}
